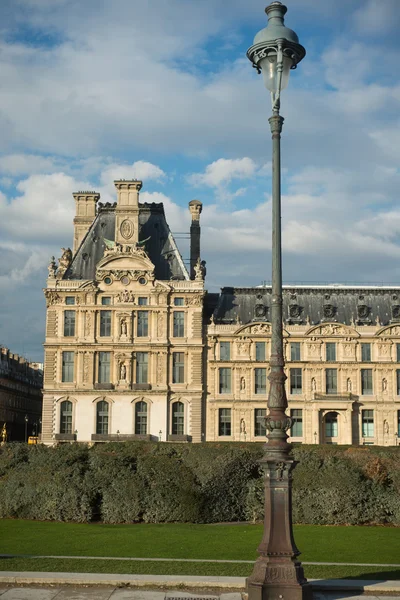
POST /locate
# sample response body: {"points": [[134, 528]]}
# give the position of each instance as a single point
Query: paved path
{"points": [[96, 593]]}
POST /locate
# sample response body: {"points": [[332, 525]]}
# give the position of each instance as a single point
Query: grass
{"points": [[224, 542]]}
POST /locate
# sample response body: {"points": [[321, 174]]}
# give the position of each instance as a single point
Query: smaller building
{"points": [[21, 385]]}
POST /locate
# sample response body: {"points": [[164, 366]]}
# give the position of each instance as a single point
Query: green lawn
{"points": [[225, 542]]}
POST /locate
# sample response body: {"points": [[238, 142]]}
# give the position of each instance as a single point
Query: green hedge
{"points": [[199, 483]]}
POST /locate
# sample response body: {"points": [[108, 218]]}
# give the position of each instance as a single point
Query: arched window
{"points": [[141, 418], [331, 424], [102, 417], [178, 418], [66, 417]]}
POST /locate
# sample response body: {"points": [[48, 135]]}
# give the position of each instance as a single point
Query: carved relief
{"points": [[126, 229], [51, 297], [260, 311], [333, 329], [88, 324], [86, 367], [160, 325], [243, 346], [329, 311], [125, 296], [194, 301]]}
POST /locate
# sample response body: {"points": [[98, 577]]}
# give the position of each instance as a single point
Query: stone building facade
{"points": [[342, 352], [20, 396], [124, 329], [136, 349]]}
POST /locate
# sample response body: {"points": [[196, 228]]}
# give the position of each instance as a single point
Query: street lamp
{"points": [[277, 573], [26, 428]]}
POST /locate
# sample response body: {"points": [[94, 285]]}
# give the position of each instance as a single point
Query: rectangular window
{"points": [[398, 381], [296, 381], [331, 381], [259, 422], [179, 324], [142, 364], [398, 424], [225, 381], [67, 367], [104, 367], [365, 352], [330, 352], [69, 300], [260, 351], [105, 322], [143, 323], [106, 300], [260, 381], [397, 352], [295, 351], [225, 351], [224, 421], [366, 382], [367, 417], [178, 302], [69, 323], [297, 427], [178, 367], [142, 301]]}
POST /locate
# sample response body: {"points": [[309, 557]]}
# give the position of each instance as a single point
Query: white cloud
{"points": [[22, 164]]}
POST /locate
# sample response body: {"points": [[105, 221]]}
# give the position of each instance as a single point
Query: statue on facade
{"points": [[3, 435], [122, 372], [200, 270], [124, 327], [313, 384], [349, 385], [384, 384], [64, 262], [243, 426], [52, 268], [242, 384], [385, 427]]}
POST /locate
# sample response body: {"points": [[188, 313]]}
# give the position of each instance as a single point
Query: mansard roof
{"points": [[154, 232], [350, 305]]}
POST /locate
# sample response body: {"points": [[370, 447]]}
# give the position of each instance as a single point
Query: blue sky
{"points": [[162, 90]]}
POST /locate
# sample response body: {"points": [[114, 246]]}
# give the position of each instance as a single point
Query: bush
{"points": [[156, 483]]}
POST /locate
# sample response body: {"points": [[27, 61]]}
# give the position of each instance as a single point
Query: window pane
{"points": [[366, 352], [259, 422], [398, 423], [331, 381], [106, 300], [331, 425], [398, 381], [104, 367], [295, 381], [297, 426], [366, 382], [260, 381], [367, 423], [178, 367], [225, 351], [66, 417], [178, 418], [398, 352], [102, 417], [70, 300], [69, 323], [330, 351], [67, 367], [141, 418], [105, 322], [143, 323], [260, 351], [178, 302], [142, 360], [179, 324], [224, 421], [295, 351], [142, 301], [224, 380]]}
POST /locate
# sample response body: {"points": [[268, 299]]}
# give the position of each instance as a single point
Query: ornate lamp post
{"points": [[277, 574]]}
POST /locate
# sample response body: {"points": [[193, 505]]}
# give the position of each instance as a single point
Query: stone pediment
{"points": [[124, 259], [261, 328], [390, 331], [332, 329]]}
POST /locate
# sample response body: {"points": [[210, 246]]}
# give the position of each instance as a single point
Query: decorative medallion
{"points": [[295, 311], [126, 229], [363, 311], [329, 311], [260, 311]]}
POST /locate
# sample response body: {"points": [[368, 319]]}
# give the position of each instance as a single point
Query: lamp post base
{"points": [[278, 580]]}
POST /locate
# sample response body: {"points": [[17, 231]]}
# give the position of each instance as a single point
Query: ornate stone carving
{"points": [[88, 324], [363, 311], [243, 346], [52, 268], [260, 311], [200, 270], [160, 325], [329, 311], [295, 311], [127, 229], [64, 262], [86, 367], [125, 296], [51, 297], [194, 300]]}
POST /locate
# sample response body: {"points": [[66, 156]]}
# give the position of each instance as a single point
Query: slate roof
{"points": [[160, 246], [359, 305]]}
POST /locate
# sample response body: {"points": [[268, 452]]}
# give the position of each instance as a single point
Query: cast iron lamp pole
{"points": [[277, 574]]}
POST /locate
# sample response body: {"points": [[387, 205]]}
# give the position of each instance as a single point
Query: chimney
{"points": [[85, 214], [195, 207], [127, 211]]}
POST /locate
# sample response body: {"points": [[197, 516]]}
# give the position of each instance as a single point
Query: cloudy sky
{"points": [[93, 90]]}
